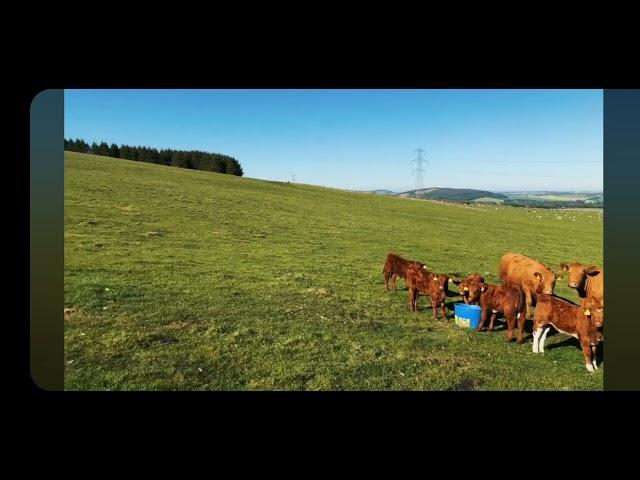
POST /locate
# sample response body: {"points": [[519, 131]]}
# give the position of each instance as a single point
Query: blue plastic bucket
{"points": [[467, 316]]}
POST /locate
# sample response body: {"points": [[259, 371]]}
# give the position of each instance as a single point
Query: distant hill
{"points": [[453, 194], [383, 192]]}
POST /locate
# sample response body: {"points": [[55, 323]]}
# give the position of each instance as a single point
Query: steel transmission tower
{"points": [[418, 171]]}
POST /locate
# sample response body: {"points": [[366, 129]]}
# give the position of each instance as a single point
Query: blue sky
{"points": [[365, 139]]}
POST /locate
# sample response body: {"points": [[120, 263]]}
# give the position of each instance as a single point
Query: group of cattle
{"points": [[524, 282]]}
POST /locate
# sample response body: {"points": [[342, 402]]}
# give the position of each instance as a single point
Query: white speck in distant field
{"points": [[199, 369], [106, 289], [104, 308]]}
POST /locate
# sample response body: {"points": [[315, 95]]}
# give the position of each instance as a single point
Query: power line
{"points": [[418, 171]]}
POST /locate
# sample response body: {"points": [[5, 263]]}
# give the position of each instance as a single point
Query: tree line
{"points": [[192, 159]]}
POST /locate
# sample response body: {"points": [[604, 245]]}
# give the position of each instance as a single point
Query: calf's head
{"points": [[463, 285], [440, 281], [595, 313], [474, 290], [546, 282], [578, 273]]}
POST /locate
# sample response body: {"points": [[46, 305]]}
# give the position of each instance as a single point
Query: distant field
{"points": [[556, 196], [488, 200], [190, 280]]}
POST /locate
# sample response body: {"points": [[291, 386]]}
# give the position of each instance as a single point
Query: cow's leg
{"points": [[528, 302], [511, 323], [386, 280], [586, 350], [521, 320], [444, 310], [393, 279], [593, 357], [536, 337], [543, 337], [483, 318], [492, 321]]}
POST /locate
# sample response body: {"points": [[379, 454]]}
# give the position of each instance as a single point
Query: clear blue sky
{"points": [[364, 139]]}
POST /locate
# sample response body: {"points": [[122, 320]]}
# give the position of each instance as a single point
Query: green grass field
{"points": [[186, 280]]}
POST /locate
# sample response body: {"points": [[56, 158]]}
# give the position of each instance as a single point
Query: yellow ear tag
{"points": [[436, 277], [587, 312], [450, 280], [466, 289]]}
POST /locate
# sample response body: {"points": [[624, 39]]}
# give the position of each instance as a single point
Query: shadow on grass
{"points": [[573, 342]]}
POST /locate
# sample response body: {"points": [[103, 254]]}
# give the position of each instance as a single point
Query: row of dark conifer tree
{"points": [[193, 159]]}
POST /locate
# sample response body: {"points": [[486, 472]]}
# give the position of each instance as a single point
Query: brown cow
{"points": [[433, 285], [588, 281], [463, 286], [506, 299], [396, 266], [532, 276], [566, 317]]}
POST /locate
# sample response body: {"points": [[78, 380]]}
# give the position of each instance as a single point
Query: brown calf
{"points": [[588, 281], [463, 286], [566, 317], [531, 276], [433, 285], [396, 266], [495, 299]]}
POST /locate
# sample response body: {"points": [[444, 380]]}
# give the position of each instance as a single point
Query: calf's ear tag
{"points": [[424, 266], [587, 312], [450, 280], [466, 289], [482, 289], [436, 277]]}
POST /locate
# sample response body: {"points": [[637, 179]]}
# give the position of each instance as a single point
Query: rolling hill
{"points": [[188, 280], [452, 194]]}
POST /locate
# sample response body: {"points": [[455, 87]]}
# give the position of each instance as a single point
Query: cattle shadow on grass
{"points": [[573, 342], [501, 325]]}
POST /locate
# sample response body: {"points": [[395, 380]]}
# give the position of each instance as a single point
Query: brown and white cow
{"points": [[531, 276], [433, 285], [396, 266], [508, 300], [583, 323], [588, 280], [463, 286]]}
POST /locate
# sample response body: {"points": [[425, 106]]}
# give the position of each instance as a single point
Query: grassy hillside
{"points": [[178, 279]]}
